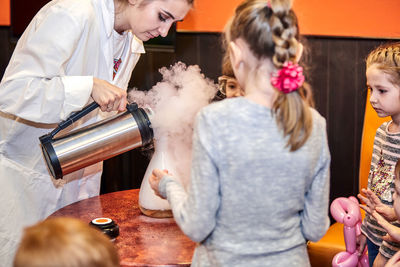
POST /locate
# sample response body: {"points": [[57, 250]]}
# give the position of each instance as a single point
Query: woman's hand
{"points": [[108, 96], [372, 202], [393, 232], [155, 179]]}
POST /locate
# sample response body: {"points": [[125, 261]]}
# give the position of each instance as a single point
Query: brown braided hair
{"points": [[271, 31]]}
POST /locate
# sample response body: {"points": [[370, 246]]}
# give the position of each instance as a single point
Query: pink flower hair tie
{"points": [[289, 78]]}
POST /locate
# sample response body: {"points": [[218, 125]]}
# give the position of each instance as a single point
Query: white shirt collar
{"points": [[137, 45]]}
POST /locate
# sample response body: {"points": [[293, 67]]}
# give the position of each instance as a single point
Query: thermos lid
{"points": [[107, 226], [143, 122], [50, 156]]}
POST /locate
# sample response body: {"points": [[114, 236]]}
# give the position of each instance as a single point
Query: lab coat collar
{"points": [[108, 13], [137, 45]]}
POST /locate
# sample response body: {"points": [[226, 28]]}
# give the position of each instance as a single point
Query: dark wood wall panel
{"points": [[6, 48], [338, 80], [336, 73], [343, 106], [22, 13]]}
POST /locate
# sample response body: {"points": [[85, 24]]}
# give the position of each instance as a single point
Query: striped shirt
{"points": [[386, 152]]}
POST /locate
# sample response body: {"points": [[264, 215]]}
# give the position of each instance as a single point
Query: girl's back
{"points": [[260, 170], [266, 190]]}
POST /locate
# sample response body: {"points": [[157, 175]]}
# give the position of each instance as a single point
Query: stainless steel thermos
{"points": [[96, 142]]}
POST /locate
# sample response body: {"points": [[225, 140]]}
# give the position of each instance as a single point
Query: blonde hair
{"points": [[270, 28], [386, 57], [226, 66], [65, 242]]}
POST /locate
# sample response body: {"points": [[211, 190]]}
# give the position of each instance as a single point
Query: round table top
{"points": [[143, 241]]}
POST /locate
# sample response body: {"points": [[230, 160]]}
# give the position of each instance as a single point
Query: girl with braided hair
{"points": [[260, 170], [383, 81]]}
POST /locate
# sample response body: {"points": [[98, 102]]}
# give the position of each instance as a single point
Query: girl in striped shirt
{"points": [[383, 80]]}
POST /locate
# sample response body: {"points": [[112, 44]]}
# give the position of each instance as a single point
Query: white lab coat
{"points": [[49, 76]]}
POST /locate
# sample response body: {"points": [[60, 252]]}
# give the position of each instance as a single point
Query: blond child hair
{"points": [[387, 59], [65, 242]]}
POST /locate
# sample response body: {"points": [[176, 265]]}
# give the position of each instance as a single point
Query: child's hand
{"points": [[393, 231], [155, 179], [372, 202], [361, 242], [394, 261], [370, 199]]}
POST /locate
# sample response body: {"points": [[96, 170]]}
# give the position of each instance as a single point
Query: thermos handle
{"points": [[74, 117]]}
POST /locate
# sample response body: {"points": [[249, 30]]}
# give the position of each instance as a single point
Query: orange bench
{"points": [[322, 252]]}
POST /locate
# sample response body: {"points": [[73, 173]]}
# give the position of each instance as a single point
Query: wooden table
{"points": [[143, 241]]}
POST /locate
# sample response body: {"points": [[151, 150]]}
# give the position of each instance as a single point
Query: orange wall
{"points": [[366, 18], [5, 12], [354, 18]]}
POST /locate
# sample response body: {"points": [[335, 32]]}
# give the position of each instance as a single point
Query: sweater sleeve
{"points": [[36, 86], [195, 211], [314, 217]]}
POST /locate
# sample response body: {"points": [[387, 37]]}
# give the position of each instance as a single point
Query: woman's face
{"points": [[149, 19]]}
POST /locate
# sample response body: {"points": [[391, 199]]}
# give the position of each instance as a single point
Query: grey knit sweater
{"points": [[251, 202]]}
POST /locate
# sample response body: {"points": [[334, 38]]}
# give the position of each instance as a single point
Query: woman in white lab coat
{"points": [[63, 61]]}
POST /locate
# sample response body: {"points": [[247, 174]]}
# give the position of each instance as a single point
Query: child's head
{"points": [[383, 79], [265, 25], [386, 57], [396, 195], [270, 31], [228, 84], [65, 242]]}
